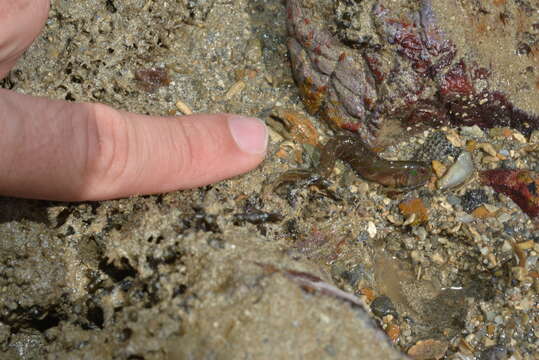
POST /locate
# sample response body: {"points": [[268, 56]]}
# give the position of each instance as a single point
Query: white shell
{"points": [[461, 170]]}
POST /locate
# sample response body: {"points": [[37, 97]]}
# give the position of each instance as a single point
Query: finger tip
{"points": [[249, 134]]}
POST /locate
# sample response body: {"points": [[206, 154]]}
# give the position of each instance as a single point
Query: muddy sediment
{"points": [[204, 273]]}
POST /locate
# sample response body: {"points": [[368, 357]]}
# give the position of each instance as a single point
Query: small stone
{"points": [[519, 273], [489, 315], [438, 259], [253, 50], [368, 293], [519, 137], [371, 229], [439, 168], [416, 256], [506, 246], [482, 213], [394, 219], [454, 139], [353, 275], [526, 245], [420, 232], [363, 188], [499, 132], [496, 352], [183, 108], [490, 159], [534, 138], [472, 199], [471, 145], [383, 306], [505, 153], [491, 208], [4, 333], [393, 332], [465, 218], [488, 148], [235, 89], [504, 217], [472, 131], [454, 200], [415, 207], [531, 261], [428, 349]]}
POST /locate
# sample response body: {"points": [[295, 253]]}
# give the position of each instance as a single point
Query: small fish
{"points": [[400, 175], [396, 175]]}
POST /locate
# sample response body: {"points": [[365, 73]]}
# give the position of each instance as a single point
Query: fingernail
{"points": [[250, 134]]}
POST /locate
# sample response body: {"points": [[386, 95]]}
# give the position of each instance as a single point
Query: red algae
{"points": [[519, 185], [404, 74]]}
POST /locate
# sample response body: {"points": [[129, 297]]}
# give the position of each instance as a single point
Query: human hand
{"points": [[59, 150]]}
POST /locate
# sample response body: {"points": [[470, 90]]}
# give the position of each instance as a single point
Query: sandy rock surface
{"points": [[220, 272]]}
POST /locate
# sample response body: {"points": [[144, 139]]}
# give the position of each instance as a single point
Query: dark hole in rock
{"points": [[126, 284], [117, 273], [76, 79], [157, 240], [96, 317], [62, 217], [70, 230], [110, 6], [50, 320], [135, 357], [125, 334], [179, 290]]}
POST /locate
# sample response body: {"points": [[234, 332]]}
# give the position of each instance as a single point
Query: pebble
{"points": [[439, 168], [496, 352], [508, 229], [438, 259], [235, 89], [519, 137], [371, 229], [465, 218], [461, 170], [183, 108], [420, 232], [383, 306], [534, 138], [531, 261], [488, 148], [472, 131], [504, 152], [428, 349], [454, 200], [489, 315], [491, 208]]}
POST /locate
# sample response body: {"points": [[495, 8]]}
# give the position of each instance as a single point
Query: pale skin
{"points": [[58, 150]]}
